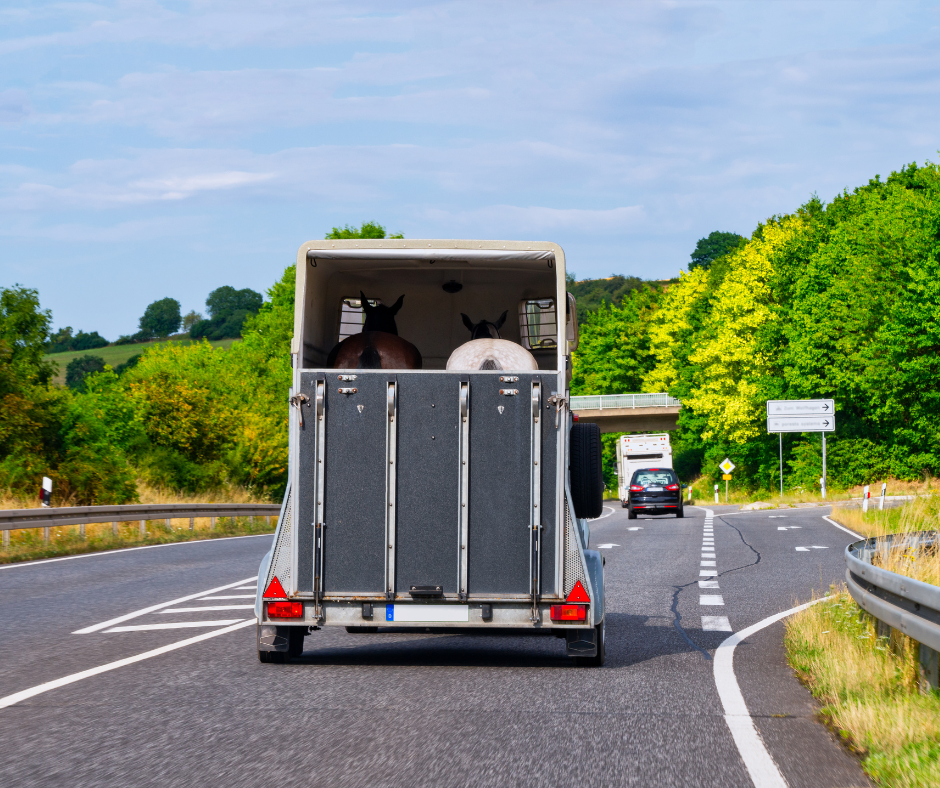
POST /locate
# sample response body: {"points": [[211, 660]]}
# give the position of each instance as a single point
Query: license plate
{"points": [[444, 614], [654, 489]]}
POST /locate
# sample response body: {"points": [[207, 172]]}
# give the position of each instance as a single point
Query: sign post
{"points": [[802, 415]]}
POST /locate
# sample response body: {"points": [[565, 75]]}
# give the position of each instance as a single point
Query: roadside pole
{"points": [[780, 435], [716, 493], [824, 467], [865, 496], [881, 502]]}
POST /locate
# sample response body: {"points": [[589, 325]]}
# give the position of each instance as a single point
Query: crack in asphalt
{"points": [[677, 616]]}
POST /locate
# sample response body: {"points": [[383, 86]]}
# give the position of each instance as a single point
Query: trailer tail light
{"points": [[569, 612], [574, 415], [578, 594], [285, 609], [672, 486], [274, 590], [636, 488]]}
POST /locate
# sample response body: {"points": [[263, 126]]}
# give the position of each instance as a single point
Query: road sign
{"points": [[727, 466], [726, 477], [801, 424], [800, 407]]}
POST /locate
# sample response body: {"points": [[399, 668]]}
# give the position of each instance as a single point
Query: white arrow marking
{"points": [[811, 547], [636, 528], [606, 546], [789, 527], [777, 516]]}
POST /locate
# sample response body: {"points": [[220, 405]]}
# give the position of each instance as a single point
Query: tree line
{"points": [[838, 300]]}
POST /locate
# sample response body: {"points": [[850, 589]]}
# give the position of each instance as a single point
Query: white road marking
{"points": [[789, 527], [811, 547], [708, 555], [636, 528], [842, 527], [18, 697], [44, 561], [247, 588], [153, 608], [206, 607], [227, 596], [716, 624], [707, 563], [607, 546], [710, 599], [760, 766], [177, 625], [777, 516], [603, 515], [707, 573], [708, 584]]}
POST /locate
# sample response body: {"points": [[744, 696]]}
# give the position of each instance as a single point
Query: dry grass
{"points": [[869, 688], [28, 544], [920, 514]]}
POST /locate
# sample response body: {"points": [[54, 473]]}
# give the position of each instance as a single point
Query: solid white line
{"points": [[760, 766], [18, 697], [842, 527], [177, 625], [227, 596], [44, 561], [207, 607], [152, 608], [248, 588]]}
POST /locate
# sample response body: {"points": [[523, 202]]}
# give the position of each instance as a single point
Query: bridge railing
{"points": [[618, 401], [896, 601]]}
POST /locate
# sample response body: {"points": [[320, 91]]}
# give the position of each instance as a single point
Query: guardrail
{"points": [[898, 602], [46, 518], [612, 401]]}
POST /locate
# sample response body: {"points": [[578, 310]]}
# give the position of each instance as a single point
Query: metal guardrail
{"points": [[898, 602], [612, 401], [46, 518]]}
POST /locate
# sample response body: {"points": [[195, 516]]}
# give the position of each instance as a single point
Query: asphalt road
{"points": [[418, 709]]}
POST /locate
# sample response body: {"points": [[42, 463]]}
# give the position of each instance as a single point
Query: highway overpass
{"points": [[628, 412]]}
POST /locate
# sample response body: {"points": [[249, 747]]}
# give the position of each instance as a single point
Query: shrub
{"points": [[80, 368]]}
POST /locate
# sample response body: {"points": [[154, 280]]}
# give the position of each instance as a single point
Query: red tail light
{"points": [[574, 416], [285, 609], [672, 486], [569, 612], [636, 488]]}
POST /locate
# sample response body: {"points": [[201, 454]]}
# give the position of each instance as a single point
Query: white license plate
{"points": [[443, 614], [654, 489]]}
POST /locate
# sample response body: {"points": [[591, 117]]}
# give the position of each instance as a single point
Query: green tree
{"points": [[80, 368], [161, 318], [24, 327], [366, 230], [225, 301], [715, 245], [190, 319]]}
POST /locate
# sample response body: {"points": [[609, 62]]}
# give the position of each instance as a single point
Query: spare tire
{"points": [[587, 475]]}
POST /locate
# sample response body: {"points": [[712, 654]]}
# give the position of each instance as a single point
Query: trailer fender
{"points": [[595, 567], [262, 574]]}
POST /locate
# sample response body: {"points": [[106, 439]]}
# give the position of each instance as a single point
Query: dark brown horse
{"points": [[378, 346]]}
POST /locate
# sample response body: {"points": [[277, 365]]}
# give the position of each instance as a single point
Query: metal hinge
{"points": [[297, 401]]}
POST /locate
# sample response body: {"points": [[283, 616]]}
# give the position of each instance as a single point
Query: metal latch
{"points": [[347, 378], [559, 401], [508, 378], [509, 392], [348, 391], [426, 591], [297, 401]]}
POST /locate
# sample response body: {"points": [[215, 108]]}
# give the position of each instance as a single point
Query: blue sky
{"points": [[152, 149]]}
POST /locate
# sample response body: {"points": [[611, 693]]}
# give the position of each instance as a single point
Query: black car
{"points": [[655, 491]]}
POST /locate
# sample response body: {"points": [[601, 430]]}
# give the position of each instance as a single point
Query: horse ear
{"points": [[502, 319], [366, 306], [467, 321], [397, 305]]}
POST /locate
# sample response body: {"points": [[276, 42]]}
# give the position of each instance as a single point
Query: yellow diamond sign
{"points": [[727, 466]]}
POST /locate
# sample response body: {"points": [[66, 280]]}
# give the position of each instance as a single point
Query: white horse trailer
{"points": [[439, 496], [640, 451]]}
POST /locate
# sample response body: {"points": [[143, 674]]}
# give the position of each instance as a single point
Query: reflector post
{"points": [[285, 609], [274, 590], [578, 594], [569, 613]]}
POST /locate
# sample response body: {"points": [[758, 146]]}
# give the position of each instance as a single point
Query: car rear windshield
{"points": [[654, 477]]}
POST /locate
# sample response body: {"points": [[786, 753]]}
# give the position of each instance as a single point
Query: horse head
{"points": [[381, 317], [484, 329]]}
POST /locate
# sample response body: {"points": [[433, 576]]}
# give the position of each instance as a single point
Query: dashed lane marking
{"points": [[707, 573], [708, 563], [39, 689], [607, 546], [205, 608], [716, 624], [710, 599], [810, 547], [177, 625], [708, 584], [636, 528]]}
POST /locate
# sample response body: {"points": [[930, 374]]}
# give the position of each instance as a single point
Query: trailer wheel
{"points": [[587, 475], [598, 660], [272, 657]]}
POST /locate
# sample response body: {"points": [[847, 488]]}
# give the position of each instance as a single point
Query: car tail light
{"points": [[636, 488], [672, 486], [569, 612], [285, 609]]}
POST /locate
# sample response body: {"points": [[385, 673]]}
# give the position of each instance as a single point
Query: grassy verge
{"points": [[27, 544], [869, 690], [118, 354], [920, 514]]}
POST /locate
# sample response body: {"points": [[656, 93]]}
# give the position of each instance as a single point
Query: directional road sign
{"points": [[727, 466], [800, 407], [801, 424]]}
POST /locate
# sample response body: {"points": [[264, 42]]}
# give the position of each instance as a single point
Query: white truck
{"points": [[640, 451], [436, 475]]}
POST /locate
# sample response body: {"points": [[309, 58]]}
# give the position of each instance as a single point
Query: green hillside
{"points": [[591, 293], [118, 354]]}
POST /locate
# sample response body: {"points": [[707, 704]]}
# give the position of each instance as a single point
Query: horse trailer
{"points": [[436, 476]]}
